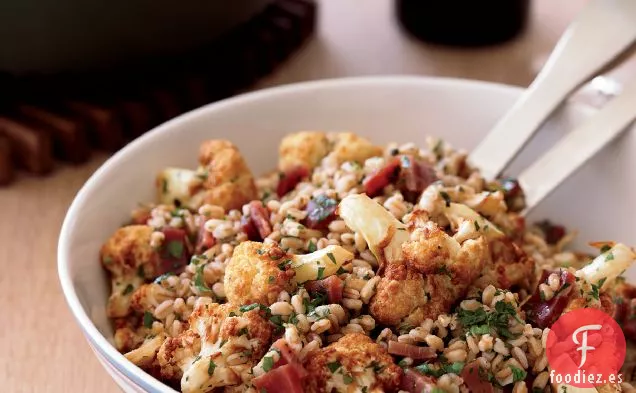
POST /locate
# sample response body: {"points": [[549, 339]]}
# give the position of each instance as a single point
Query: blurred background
{"points": [[80, 78]]}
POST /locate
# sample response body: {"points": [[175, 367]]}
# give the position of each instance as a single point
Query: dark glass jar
{"points": [[463, 22]]}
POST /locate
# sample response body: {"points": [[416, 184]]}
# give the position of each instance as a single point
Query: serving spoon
{"points": [[603, 31]]}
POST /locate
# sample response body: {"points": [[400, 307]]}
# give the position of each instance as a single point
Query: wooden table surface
{"points": [[43, 350]]}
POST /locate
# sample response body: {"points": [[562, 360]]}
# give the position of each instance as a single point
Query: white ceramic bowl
{"points": [[597, 201]]}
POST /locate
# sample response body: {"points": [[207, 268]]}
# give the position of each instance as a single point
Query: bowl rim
{"points": [[91, 333]]}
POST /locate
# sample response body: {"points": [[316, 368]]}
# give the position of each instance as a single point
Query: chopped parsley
{"points": [[476, 226], [596, 288], [175, 248], [437, 390], [321, 208], [199, 280], [129, 288], [311, 247], [140, 271], [255, 306], [148, 319], [341, 270], [563, 288], [310, 306], [268, 363], [605, 248], [232, 314], [321, 272], [331, 257], [481, 321], [283, 265], [334, 366], [243, 332], [271, 279], [444, 270], [609, 257], [454, 368], [346, 378], [446, 197], [518, 374], [293, 318], [211, 367], [277, 320], [197, 259], [260, 251], [107, 260]]}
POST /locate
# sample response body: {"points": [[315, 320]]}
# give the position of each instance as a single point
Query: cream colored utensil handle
{"points": [[603, 30], [578, 146]]}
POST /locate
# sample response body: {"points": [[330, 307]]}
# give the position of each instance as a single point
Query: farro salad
{"points": [[351, 268]]}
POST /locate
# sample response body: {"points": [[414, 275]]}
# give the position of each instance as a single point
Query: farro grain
{"points": [[352, 304], [518, 354], [302, 324], [544, 337], [339, 312], [488, 295], [434, 342], [352, 328], [218, 289], [496, 362], [540, 364], [350, 293], [470, 305], [321, 326], [297, 303], [307, 349], [406, 339], [163, 309], [541, 380], [500, 347], [281, 308], [520, 387], [472, 344], [360, 243], [456, 355]]}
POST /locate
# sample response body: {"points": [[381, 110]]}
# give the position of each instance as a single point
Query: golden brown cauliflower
{"points": [[302, 149], [423, 269], [257, 273], [222, 179], [253, 274], [306, 149], [434, 273], [353, 363], [130, 257], [228, 182], [351, 147], [126, 252], [219, 349]]}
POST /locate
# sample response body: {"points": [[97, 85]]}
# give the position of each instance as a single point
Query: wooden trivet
{"points": [[49, 118]]}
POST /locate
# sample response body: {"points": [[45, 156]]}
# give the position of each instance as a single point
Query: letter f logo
{"points": [[584, 348]]}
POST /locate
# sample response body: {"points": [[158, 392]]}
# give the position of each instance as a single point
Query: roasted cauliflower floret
{"points": [[304, 149], [353, 363], [423, 269], [126, 253], [145, 354], [435, 272], [348, 146], [219, 349], [257, 273], [228, 181], [222, 179]]}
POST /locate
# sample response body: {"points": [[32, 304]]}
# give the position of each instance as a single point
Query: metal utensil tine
{"points": [[603, 31], [577, 147]]}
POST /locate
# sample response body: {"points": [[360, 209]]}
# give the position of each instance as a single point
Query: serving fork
{"points": [[599, 37]]}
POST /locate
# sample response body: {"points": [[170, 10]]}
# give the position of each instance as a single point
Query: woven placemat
{"points": [[46, 119]]}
